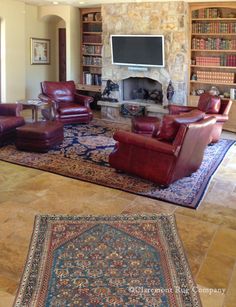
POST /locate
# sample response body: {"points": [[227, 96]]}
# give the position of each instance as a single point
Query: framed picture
{"points": [[40, 51]]}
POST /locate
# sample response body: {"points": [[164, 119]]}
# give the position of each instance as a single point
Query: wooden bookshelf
{"points": [[212, 36], [213, 51], [91, 49]]}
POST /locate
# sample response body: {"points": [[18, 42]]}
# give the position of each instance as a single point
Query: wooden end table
{"points": [[35, 105]]}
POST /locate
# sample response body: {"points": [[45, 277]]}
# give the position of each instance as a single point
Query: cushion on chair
{"points": [[10, 122], [170, 123], [209, 103], [73, 108], [145, 124], [60, 91]]}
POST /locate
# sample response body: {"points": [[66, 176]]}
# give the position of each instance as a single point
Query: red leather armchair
{"points": [[10, 119], [212, 106], [158, 160], [68, 106]]}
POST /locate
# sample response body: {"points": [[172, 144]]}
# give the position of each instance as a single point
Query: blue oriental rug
{"points": [[97, 261], [84, 155]]}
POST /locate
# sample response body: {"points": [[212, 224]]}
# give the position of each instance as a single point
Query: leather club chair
{"points": [[212, 106], [10, 119], [68, 106], [161, 160]]}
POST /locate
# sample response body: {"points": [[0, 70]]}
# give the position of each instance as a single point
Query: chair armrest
{"points": [[176, 109], [219, 117], [144, 142], [44, 98], [10, 109], [84, 100], [53, 102]]}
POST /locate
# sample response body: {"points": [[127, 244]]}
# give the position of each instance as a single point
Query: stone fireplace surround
{"points": [[167, 18]]}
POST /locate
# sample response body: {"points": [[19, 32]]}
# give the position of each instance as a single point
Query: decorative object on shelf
{"points": [[194, 77], [170, 91], [200, 91], [130, 110], [214, 91], [40, 51], [233, 93], [110, 87]]}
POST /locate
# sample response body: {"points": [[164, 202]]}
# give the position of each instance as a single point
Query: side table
{"points": [[35, 105]]}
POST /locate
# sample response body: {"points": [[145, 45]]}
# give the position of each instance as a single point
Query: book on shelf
{"points": [[206, 13], [91, 79], [92, 38], [90, 49], [213, 43], [215, 76]]}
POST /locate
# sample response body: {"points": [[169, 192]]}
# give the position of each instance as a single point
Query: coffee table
{"points": [[35, 105]]}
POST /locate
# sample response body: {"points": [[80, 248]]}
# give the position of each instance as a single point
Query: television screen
{"points": [[138, 50]]}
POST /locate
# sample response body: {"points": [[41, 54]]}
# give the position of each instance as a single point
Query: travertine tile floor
{"points": [[208, 233]]}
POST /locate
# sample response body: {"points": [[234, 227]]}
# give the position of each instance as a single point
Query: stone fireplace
{"points": [[169, 19]]}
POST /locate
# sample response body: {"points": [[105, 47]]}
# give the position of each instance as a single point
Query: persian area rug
{"points": [[84, 155], [120, 261]]}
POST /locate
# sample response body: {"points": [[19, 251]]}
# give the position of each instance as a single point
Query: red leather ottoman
{"points": [[146, 125], [39, 136]]}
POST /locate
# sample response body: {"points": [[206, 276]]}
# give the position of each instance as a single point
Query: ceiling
{"points": [[82, 3], [77, 3]]}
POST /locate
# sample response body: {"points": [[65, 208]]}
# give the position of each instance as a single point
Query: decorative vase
{"points": [[170, 91]]}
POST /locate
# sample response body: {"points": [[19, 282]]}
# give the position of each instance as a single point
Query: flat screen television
{"points": [[138, 50]]}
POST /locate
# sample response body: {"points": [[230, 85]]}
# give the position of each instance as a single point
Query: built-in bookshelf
{"points": [[213, 48], [91, 49]]}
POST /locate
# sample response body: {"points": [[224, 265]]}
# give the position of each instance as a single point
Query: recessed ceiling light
{"points": [[81, 2], [55, 2]]}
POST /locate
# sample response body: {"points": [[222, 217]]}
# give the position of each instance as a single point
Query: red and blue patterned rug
{"points": [[106, 261], [84, 155]]}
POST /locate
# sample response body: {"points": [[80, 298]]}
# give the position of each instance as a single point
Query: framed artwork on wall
{"points": [[40, 51]]}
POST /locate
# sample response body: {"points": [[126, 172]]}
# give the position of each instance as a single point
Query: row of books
{"points": [[92, 27], [213, 44], [92, 38], [90, 60], [90, 49], [91, 79], [216, 76], [222, 60], [206, 13], [214, 27]]}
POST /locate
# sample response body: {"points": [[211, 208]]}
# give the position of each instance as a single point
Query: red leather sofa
{"points": [[10, 119], [168, 157], [68, 106], [212, 106]]}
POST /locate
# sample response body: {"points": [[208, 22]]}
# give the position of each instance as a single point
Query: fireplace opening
{"points": [[142, 90]]}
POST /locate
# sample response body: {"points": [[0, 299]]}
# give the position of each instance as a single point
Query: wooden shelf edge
{"points": [[210, 50], [89, 88], [221, 67], [212, 82], [215, 19], [210, 33]]}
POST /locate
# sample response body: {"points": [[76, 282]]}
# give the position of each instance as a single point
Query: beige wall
{"points": [[38, 28], [12, 15], [71, 17], [20, 22]]}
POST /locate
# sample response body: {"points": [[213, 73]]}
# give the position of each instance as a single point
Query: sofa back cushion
{"points": [[170, 123], [209, 104], [59, 91]]}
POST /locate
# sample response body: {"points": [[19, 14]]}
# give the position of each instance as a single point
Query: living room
{"points": [[207, 233]]}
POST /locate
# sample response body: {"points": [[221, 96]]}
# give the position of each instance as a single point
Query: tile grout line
{"points": [[231, 277], [213, 237]]}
